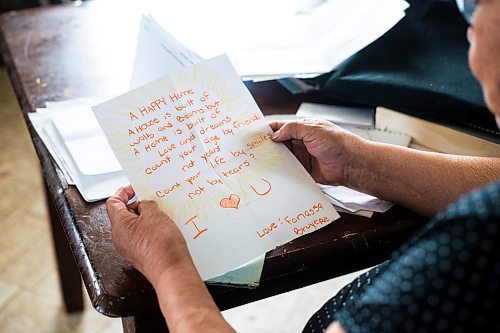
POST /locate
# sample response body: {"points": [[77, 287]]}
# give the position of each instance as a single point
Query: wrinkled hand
{"points": [[324, 149], [145, 236]]}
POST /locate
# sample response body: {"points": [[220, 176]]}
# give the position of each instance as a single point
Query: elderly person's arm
{"points": [[150, 240], [422, 181]]}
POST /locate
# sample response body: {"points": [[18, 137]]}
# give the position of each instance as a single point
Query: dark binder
{"points": [[419, 68]]}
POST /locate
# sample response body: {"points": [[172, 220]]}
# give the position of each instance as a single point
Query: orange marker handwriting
{"points": [[191, 220], [263, 193], [232, 202]]}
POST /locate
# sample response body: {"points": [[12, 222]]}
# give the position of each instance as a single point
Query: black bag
{"points": [[420, 68]]}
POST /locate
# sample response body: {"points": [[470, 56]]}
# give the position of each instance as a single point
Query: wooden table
{"points": [[61, 52]]}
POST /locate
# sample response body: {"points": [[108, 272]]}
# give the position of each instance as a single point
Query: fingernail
{"points": [[275, 135]]}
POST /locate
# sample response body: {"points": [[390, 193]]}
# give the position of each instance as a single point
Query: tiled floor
{"points": [[30, 300]]}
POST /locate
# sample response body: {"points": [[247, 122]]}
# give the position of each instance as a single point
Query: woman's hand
{"points": [[324, 149], [144, 235], [424, 182], [150, 240]]}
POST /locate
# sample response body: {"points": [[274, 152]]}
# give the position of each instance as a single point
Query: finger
{"points": [[124, 194], [130, 191], [276, 124], [292, 130]]}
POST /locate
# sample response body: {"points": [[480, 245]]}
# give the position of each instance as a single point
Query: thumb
{"points": [[116, 205]]}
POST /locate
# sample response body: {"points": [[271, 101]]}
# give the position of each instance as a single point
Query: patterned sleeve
{"points": [[445, 279]]}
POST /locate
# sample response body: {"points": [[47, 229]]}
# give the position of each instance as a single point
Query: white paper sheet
{"points": [[341, 115], [352, 200], [364, 213], [158, 53], [247, 275], [40, 121], [196, 142], [85, 141]]}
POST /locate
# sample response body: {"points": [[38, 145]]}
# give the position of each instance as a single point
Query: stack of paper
{"points": [[264, 39], [270, 39], [75, 140]]}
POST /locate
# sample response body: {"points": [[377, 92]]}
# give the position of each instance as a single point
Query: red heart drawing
{"points": [[232, 202]]}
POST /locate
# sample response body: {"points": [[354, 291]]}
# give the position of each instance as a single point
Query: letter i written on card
{"points": [[196, 142]]}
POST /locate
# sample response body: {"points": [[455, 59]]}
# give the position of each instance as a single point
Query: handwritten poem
{"points": [[196, 142]]}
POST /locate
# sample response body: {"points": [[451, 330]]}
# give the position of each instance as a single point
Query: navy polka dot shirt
{"points": [[445, 279]]}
